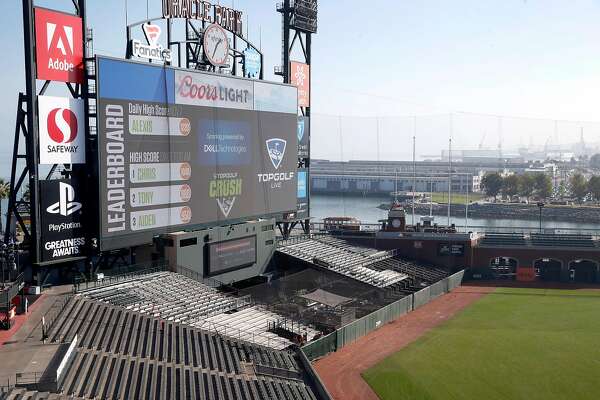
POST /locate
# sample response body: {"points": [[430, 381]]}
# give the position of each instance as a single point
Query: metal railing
{"points": [[319, 226], [281, 242], [363, 326], [55, 311], [10, 291], [241, 335], [198, 277], [134, 272]]}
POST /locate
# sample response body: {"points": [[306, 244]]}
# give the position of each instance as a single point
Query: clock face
{"points": [[216, 45], [396, 223]]}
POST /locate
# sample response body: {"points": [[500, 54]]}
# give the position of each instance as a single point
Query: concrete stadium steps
{"points": [[19, 393], [503, 239], [107, 376], [551, 240], [251, 324], [178, 299], [413, 270], [538, 240], [102, 327]]}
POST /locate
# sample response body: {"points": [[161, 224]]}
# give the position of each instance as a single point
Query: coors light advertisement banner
{"points": [[62, 211]]}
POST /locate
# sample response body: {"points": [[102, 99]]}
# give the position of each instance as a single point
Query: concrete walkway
{"points": [[21, 348]]}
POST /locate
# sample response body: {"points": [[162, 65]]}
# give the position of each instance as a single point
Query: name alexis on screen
{"points": [[189, 89]]}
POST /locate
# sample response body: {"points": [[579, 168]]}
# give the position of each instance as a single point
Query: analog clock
{"points": [[216, 45], [396, 223]]}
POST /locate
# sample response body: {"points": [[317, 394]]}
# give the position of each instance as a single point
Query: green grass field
{"points": [[512, 344], [457, 198]]}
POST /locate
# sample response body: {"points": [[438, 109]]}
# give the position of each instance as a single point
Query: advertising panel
{"points": [[303, 194], [59, 46], [449, 249], [231, 255], [526, 274], [63, 235], [303, 137], [300, 77], [252, 63], [62, 132], [182, 149]]}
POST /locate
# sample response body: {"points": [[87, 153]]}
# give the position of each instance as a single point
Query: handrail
{"points": [[11, 291], [52, 315], [118, 278]]}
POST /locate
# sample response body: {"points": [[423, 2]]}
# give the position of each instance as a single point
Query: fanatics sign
{"points": [[59, 46]]}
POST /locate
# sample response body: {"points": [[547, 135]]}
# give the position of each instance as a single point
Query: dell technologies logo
{"points": [[66, 205]]}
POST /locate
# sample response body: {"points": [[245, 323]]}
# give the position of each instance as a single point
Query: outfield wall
{"points": [[363, 326]]}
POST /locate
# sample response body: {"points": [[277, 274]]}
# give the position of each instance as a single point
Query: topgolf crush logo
{"points": [[59, 46]]}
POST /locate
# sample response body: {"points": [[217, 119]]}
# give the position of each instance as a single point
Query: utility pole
{"points": [[468, 186], [414, 170], [449, 177]]}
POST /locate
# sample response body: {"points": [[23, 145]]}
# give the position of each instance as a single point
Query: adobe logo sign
{"points": [[59, 46], [62, 135]]}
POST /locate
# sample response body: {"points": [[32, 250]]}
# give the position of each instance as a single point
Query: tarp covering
{"points": [[329, 299]]}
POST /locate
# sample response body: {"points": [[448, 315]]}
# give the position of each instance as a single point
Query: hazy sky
{"points": [[392, 58]]}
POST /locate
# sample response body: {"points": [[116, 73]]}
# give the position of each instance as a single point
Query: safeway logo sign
{"points": [[66, 204], [62, 126], [62, 136], [59, 46]]}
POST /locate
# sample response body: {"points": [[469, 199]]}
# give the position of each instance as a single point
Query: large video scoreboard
{"points": [[180, 149]]}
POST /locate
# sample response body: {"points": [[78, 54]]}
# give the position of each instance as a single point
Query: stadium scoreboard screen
{"points": [[231, 255], [181, 149]]}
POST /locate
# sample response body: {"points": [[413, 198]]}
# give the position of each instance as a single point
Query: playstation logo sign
{"points": [[66, 204], [63, 234]]}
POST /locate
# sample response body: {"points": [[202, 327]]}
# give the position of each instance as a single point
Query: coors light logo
{"points": [[213, 91]]}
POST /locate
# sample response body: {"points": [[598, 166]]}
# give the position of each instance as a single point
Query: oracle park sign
{"points": [[228, 18]]}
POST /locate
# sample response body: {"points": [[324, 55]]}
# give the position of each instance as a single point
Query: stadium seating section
{"points": [[380, 269], [137, 339], [537, 240]]}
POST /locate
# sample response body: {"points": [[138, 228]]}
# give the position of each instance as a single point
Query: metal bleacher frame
{"points": [[380, 269]]}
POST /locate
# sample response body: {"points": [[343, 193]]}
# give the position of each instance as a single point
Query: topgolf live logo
{"points": [[59, 46]]}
